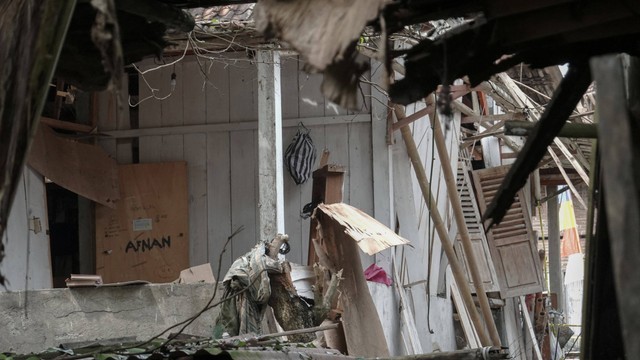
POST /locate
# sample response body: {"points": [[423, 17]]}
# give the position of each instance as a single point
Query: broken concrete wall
{"points": [[33, 321]]}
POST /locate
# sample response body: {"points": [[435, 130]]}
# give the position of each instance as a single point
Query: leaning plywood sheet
{"points": [[371, 235], [337, 251], [512, 243], [146, 237], [476, 234], [82, 168]]}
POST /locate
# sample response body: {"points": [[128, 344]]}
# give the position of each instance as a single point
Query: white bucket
{"points": [[303, 279]]}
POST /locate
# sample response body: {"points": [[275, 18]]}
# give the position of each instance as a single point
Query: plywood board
{"points": [[85, 169], [147, 236]]}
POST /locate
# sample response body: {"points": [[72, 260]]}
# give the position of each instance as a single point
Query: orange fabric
{"points": [[570, 243]]}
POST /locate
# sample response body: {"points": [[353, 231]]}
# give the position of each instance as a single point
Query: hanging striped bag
{"points": [[300, 155]]}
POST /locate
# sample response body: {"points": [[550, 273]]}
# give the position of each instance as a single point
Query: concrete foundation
{"points": [[32, 321]]}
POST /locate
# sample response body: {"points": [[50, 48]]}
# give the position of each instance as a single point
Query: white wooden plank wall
{"points": [[28, 264], [223, 165], [413, 215]]}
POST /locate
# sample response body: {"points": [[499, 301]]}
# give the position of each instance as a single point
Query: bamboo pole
{"points": [[570, 130], [463, 231], [458, 274]]}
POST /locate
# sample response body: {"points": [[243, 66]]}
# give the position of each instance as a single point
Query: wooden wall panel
{"points": [[28, 264], [172, 109], [147, 236], [243, 164], [217, 92], [121, 110], [289, 87], [218, 200], [150, 111], [337, 142], [222, 166], [106, 120], [310, 100], [243, 91], [195, 150], [195, 146]]}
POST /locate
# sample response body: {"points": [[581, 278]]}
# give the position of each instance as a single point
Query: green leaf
{"points": [[135, 351]]}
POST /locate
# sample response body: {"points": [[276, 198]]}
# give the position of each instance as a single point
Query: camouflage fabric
{"points": [[244, 313]]}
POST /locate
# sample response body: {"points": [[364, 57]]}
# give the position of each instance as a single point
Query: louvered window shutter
{"points": [[476, 234], [512, 244]]}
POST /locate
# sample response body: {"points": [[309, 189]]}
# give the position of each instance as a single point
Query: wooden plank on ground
{"points": [[147, 236], [84, 169]]}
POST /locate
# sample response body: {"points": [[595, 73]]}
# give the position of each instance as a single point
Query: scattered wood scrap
{"points": [[336, 248], [370, 235]]}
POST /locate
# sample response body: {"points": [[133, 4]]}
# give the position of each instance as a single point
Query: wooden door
{"points": [[512, 242], [146, 236], [476, 234]]}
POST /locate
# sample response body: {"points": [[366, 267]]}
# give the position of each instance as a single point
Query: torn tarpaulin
{"points": [[377, 274], [243, 313]]}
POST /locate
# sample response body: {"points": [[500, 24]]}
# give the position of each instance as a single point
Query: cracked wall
{"points": [[35, 320]]}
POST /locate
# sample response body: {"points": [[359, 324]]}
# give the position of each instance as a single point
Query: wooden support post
{"points": [[555, 265], [327, 188], [570, 130], [270, 181], [618, 95], [452, 190], [29, 53], [456, 268]]}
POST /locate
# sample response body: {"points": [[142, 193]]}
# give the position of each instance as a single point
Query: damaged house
{"points": [[422, 158]]}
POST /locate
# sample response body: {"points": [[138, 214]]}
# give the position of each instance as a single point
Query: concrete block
{"points": [[34, 320]]}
